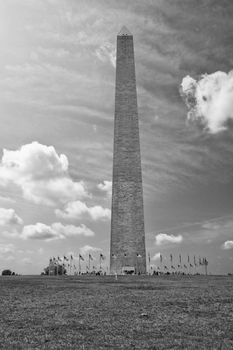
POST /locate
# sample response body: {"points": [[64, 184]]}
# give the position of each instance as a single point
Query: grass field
{"points": [[130, 313]]}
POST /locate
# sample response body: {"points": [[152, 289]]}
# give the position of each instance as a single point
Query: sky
{"points": [[57, 83]]}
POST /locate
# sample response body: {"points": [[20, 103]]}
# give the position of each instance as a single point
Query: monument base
{"points": [[128, 270]]}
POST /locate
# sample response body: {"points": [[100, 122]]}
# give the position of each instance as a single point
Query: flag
{"points": [[90, 257], [102, 257], [161, 258], [171, 257], [80, 257]]}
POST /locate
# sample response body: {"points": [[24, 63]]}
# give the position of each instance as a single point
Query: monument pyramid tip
{"points": [[124, 31]]}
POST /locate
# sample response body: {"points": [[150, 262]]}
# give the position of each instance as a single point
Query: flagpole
{"points": [[79, 265], [149, 262], [62, 266], [206, 263], [72, 263], [55, 264], [124, 260]]}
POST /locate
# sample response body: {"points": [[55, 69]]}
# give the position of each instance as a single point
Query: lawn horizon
{"points": [[132, 312]]}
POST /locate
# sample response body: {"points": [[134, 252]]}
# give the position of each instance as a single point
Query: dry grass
{"points": [[131, 313]]}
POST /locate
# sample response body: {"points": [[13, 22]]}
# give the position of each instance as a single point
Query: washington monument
{"points": [[127, 253]]}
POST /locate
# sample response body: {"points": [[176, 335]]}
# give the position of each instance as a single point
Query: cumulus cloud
{"points": [[162, 238], [209, 99], [106, 186], [57, 230], [8, 217], [41, 174], [227, 245], [156, 257], [107, 52], [89, 249], [77, 209]]}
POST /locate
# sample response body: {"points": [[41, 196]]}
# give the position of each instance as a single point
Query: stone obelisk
{"points": [[127, 251]]}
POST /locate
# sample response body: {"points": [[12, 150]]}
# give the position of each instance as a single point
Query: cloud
{"points": [[77, 209], [27, 260], [41, 174], [163, 238], [40, 251], [8, 217], [227, 245], [57, 230], [156, 257], [106, 186], [89, 249], [209, 99], [211, 225], [6, 248], [107, 52], [7, 199], [10, 258]]}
